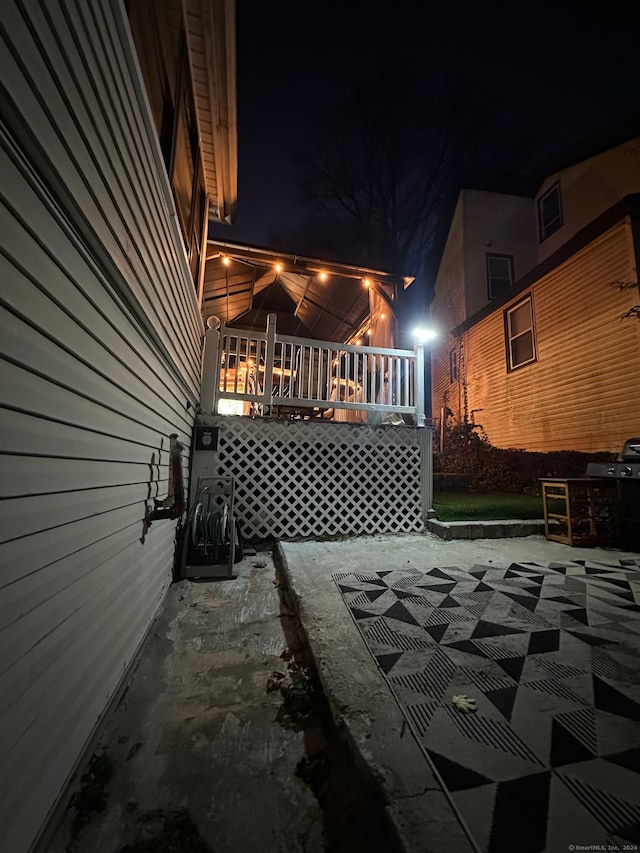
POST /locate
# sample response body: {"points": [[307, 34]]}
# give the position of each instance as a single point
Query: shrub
{"points": [[467, 450]]}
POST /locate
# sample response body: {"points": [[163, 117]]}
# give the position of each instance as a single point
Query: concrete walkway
{"points": [[195, 746]]}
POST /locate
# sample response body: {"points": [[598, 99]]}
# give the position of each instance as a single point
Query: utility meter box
{"points": [[205, 438]]}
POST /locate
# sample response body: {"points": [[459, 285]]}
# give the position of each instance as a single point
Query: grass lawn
{"points": [[471, 506]]}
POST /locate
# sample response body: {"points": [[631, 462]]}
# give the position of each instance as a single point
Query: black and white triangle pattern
{"points": [[551, 655]]}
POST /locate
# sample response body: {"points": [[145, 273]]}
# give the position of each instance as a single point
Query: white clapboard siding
{"points": [[100, 341], [583, 392], [135, 583], [81, 152]]}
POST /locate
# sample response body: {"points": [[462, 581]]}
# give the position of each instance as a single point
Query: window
{"points": [[520, 334], [453, 365], [549, 212], [499, 275]]}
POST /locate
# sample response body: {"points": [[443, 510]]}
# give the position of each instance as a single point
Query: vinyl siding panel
{"points": [[447, 311], [583, 392], [495, 223], [100, 339], [590, 188]]}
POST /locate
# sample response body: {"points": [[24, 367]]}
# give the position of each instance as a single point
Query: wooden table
{"points": [[584, 509]]}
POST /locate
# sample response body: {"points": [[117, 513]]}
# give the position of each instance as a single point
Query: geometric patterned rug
{"points": [[551, 656]]}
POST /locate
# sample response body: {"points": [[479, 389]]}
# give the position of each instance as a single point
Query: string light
{"points": [[278, 267], [323, 276], [226, 260]]}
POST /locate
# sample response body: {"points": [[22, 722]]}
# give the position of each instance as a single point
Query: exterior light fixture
{"points": [[382, 316], [278, 267], [323, 276], [226, 260], [358, 342], [366, 282], [424, 335]]}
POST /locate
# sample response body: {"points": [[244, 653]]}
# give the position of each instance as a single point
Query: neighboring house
{"points": [[118, 143], [533, 345]]}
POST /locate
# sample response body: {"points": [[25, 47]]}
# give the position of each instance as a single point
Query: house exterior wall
{"points": [[483, 222], [447, 312], [499, 224], [583, 391], [100, 340], [589, 188]]}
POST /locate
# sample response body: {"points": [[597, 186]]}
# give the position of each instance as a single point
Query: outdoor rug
{"points": [[551, 656]]}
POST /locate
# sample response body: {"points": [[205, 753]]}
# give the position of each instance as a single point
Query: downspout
{"points": [[174, 505]]}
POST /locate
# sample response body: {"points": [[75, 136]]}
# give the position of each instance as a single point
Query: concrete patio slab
{"points": [[360, 697]]}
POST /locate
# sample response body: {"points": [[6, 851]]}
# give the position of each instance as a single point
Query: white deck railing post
{"points": [[210, 366], [270, 353], [419, 401]]}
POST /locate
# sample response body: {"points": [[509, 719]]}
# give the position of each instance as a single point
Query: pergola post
{"points": [[210, 367]]}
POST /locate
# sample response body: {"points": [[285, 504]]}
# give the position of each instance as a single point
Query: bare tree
{"points": [[374, 172]]}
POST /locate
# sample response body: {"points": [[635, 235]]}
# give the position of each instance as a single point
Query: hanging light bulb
{"points": [[323, 276], [366, 282], [278, 267], [226, 260]]}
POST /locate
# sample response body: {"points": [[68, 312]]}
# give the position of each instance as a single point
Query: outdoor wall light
{"points": [[366, 282], [226, 260], [423, 335], [277, 267], [323, 276]]}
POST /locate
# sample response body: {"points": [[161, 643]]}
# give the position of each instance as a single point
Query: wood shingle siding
{"points": [[100, 341]]}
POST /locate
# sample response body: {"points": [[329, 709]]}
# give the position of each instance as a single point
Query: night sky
{"points": [[560, 71]]}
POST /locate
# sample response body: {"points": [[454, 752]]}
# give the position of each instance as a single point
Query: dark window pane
{"points": [[520, 319], [499, 274], [550, 212], [522, 348]]}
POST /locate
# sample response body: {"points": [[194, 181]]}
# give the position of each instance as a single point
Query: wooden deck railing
{"points": [[270, 371]]}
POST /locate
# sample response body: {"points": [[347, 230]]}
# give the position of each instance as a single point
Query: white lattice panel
{"points": [[305, 478]]}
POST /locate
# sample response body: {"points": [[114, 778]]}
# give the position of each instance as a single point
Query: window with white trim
{"points": [[549, 212], [453, 365], [520, 334], [499, 275]]}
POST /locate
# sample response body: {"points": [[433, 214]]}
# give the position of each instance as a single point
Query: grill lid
{"points": [[630, 450]]}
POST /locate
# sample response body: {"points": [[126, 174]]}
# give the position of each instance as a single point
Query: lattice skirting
{"points": [[301, 478]]}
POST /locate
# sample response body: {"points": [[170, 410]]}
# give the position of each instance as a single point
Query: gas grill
{"points": [[626, 471]]}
